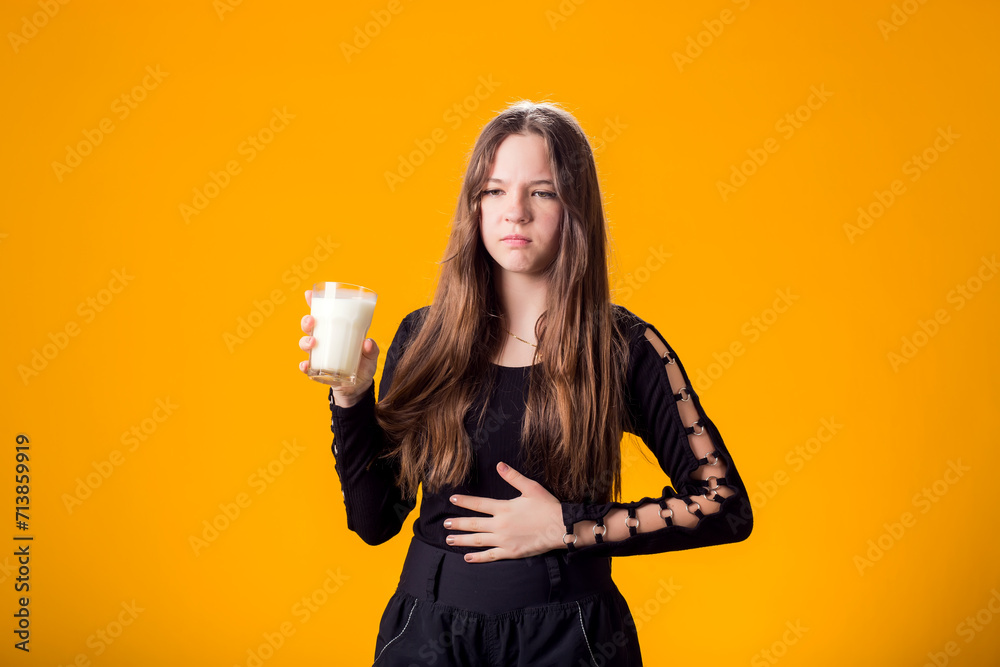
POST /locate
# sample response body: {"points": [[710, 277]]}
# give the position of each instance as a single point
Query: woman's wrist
{"points": [[349, 401], [342, 401]]}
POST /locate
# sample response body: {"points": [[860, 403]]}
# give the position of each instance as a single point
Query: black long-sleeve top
{"points": [[690, 454]]}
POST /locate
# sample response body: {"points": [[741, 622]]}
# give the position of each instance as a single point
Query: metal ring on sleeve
{"points": [[697, 508], [570, 546], [632, 528], [669, 517]]}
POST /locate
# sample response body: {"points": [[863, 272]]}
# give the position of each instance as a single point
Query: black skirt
{"points": [[537, 611]]}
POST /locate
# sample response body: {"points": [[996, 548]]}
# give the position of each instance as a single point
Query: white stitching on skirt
{"points": [[401, 632], [593, 660]]}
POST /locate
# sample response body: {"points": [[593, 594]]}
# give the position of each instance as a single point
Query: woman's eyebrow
{"points": [[536, 182]]}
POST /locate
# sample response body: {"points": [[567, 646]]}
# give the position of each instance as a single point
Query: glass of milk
{"points": [[342, 313]]}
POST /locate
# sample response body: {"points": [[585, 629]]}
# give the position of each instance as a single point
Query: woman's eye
{"points": [[544, 194]]}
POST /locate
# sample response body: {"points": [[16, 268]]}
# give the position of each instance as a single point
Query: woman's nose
{"points": [[517, 210]]}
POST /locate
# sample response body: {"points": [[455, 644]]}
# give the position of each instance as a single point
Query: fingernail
{"points": [[454, 499], [447, 524], [450, 539], [468, 557], [503, 467]]}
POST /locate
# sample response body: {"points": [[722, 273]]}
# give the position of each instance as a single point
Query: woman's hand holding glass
{"points": [[343, 395]]}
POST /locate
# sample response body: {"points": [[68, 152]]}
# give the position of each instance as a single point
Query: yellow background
{"points": [[666, 134]]}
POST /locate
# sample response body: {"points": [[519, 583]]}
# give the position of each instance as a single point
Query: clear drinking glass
{"points": [[342, 313]]}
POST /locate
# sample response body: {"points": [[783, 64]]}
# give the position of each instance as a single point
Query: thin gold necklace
{"points": [[519, 338], [537, 356]]}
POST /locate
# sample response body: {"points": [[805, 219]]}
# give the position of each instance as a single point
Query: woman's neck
{"points": [[522, 297]]}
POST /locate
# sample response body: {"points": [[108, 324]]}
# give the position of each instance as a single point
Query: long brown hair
{"points": [[576, 398]]}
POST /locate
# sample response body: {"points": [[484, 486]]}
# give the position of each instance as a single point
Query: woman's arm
{"points": [[376, 508], [710, 505]]}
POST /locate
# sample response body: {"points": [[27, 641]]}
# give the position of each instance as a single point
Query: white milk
{"points": [[341, 328]]}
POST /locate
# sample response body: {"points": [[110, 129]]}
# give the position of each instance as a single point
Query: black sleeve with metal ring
{"points": [[632, 527]]}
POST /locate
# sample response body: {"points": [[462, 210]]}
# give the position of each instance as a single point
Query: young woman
{"points": [[507, 399]]}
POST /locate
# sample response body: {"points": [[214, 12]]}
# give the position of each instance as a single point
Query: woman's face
{"points": [[519, 200]]}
